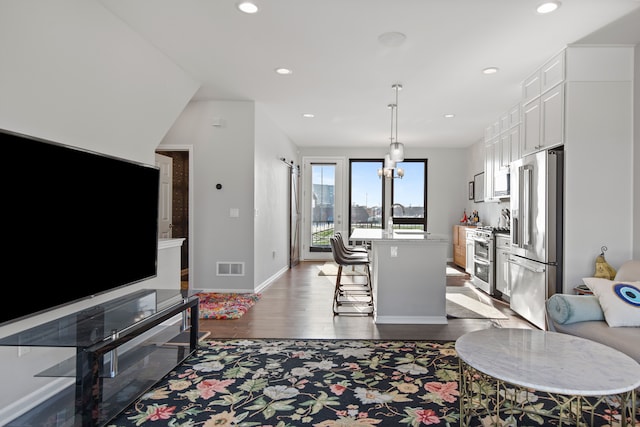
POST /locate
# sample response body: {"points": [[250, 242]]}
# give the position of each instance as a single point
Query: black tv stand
{"points": [[123, 347]]}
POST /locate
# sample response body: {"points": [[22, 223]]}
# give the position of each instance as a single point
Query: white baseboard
{"points": [[261, 287]]}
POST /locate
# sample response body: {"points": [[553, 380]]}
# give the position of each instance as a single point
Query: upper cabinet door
{"points": [[552, 72], [531, 87], [514, 115], [552, 110], [530, 127], [514, 141]]}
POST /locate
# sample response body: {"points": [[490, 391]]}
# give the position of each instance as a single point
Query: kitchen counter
{"points": [[408, 272], [371, 234]]}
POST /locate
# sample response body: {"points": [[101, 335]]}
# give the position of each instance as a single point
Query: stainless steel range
{"points": [[484, 258]]}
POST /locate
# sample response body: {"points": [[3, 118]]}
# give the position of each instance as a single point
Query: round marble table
{"points": [[548, 362]]}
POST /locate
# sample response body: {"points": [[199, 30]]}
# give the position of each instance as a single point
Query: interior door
{"points": [[323, 205], [165, 204]]}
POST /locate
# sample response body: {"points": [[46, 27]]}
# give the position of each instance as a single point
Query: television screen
{"points": [[79, 223]]}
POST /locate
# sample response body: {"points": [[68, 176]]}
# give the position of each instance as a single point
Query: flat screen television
{"points": [[78, 224]]}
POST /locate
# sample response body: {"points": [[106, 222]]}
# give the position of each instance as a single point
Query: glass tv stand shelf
{"points": [[122, 347]]}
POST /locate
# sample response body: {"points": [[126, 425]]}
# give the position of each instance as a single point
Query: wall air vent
{"points": [[226, 268]]}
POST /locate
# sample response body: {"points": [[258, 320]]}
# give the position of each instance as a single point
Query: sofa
{"points": [[610, 315]]}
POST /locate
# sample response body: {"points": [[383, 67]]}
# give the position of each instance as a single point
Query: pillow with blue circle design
{"points": [[620, 300]]}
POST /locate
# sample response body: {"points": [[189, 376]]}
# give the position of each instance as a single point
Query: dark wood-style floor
{"points": [[299, 305]]}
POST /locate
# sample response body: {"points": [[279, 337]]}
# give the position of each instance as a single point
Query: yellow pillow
{"points": [[620, 300]]}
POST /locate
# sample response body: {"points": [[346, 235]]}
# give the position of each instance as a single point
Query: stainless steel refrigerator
{"points": [[535, 263]]}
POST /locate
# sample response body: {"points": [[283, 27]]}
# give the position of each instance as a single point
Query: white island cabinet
{"points": [[409, 275]]}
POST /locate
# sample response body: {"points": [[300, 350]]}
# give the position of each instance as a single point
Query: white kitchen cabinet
{"points": [[470, 250], [552, 72], [514, 142], [514, 116], [489, 167], [530, 127], [543, 120], [531, 87], [543, 107], [503, 155], [552, 111], [502, 146], [503, 283], [586, 104], [544, 78]]}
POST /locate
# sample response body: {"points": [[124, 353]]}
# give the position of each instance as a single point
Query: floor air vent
{"points": [[224, 268]]}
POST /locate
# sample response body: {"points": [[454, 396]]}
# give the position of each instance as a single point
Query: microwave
{"points": [[502, 184]]}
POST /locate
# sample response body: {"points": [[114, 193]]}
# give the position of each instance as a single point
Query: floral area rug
{"points": [[321, 383], [225, 305]]}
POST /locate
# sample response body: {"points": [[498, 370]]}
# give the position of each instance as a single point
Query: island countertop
{"points": [[407, 234]]}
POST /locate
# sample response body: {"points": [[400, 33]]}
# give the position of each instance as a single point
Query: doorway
{"points": [[181, 202], [323, 201]]}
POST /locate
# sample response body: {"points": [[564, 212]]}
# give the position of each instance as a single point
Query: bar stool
{"points": [[355, 295], [349, 248]]}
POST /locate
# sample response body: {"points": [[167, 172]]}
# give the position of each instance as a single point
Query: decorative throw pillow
{"points": [[620, 300], [565, 309], [629, 271]]}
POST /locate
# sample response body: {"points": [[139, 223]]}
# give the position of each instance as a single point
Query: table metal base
{"points": [[492, 402]]}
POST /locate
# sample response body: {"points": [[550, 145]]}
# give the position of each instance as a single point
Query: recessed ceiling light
{"points": [[247, 7], [308, 115], [283, 71], [449, 116], [490, 70], [548, 7]]}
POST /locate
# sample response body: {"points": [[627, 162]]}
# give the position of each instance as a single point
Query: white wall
{"points": [[241, 152], [61, 79], [222, 154], [271, 198], [599, 168], [446, 186]]}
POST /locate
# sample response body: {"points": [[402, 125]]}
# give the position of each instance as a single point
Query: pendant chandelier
{"points": [[396, 148]]}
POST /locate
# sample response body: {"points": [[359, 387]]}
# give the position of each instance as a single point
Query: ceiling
{"points": [[343, 74]]}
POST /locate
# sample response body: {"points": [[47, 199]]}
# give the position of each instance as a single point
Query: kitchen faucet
{"points": [[396, 205]]}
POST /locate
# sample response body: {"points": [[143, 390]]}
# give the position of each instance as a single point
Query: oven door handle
{"points": [[484, 241], [481, 261]]}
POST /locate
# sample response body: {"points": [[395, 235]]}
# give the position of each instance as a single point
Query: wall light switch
{"points": [[394, 251], [234, 212]]}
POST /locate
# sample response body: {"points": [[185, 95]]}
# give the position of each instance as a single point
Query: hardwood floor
{"points": [[299, 305]]}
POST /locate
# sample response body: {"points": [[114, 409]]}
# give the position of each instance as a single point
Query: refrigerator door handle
{"points": [[527, 172], [526, 266]]}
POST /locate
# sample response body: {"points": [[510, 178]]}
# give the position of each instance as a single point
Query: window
{"points": [[409, 195], [365, 194]]}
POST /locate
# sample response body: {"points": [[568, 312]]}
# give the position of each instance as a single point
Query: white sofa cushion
{"points": [[620, 300], [623, 339], [630, 270]]}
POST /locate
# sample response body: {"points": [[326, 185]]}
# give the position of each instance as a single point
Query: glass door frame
{"points": [[307, 197]]}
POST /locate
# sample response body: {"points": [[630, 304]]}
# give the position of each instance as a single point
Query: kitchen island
{"points": [[408, 273]]}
